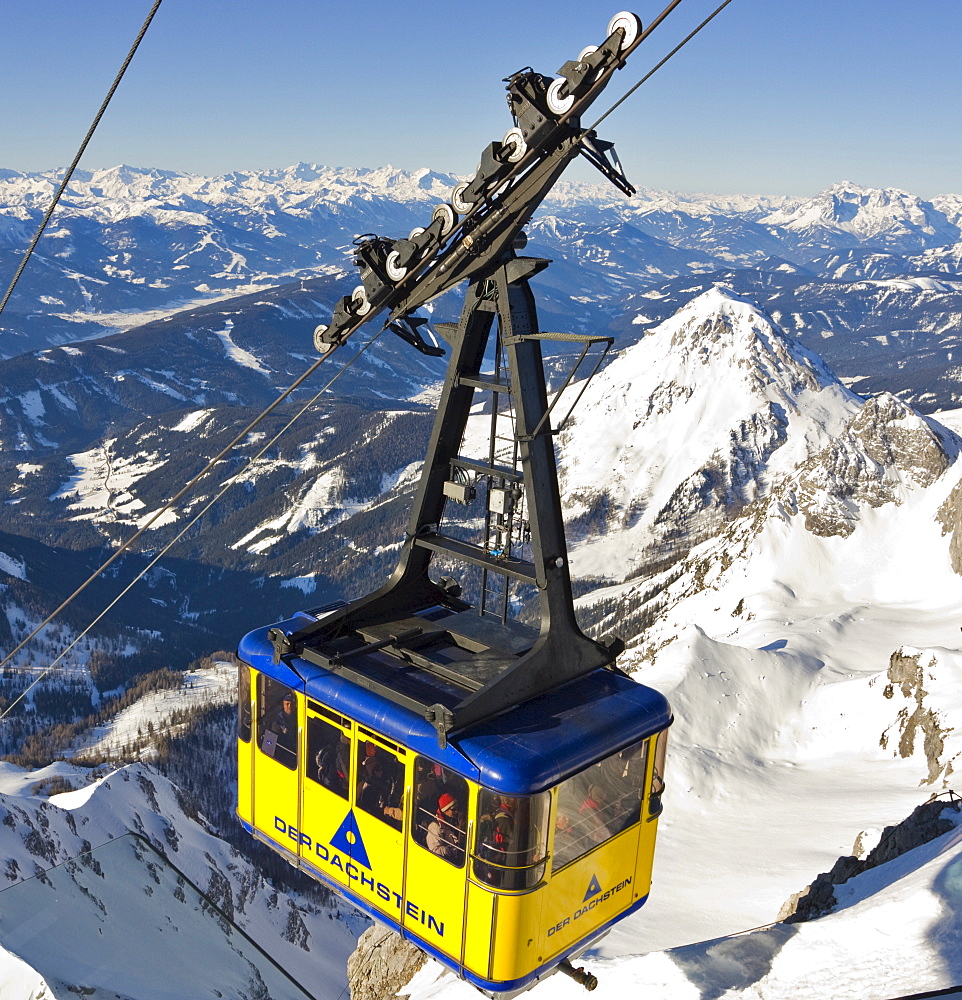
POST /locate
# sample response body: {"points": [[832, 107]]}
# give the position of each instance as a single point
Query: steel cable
{"points": [[224, 488], [654, 24], [80, 153]]}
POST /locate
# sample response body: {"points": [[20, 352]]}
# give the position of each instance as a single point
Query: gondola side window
{"points": [[244, 702], [328, 756], [512, 839], [277, 721], [440, 811], [599, 803], [380, 783]]}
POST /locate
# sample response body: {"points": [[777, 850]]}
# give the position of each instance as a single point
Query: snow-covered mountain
{"points": [[128, 245], [809, 646], [884, 217], [88, 909]]}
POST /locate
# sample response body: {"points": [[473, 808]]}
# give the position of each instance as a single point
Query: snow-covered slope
{"points": [[897, 931], [93, 911]]}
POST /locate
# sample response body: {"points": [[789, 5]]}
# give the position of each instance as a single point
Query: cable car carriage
{"points": [[487, 786]]}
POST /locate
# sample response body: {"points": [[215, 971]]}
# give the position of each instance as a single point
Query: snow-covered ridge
{"points": [[88, 911], [867, 213], [173, 197]]}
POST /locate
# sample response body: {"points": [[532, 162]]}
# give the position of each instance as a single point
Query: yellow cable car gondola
{"points": [[488, 788], [503, 854]]}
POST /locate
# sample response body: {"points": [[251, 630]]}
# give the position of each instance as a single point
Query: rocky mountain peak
{"points": [[688, 427], [869, 214]]}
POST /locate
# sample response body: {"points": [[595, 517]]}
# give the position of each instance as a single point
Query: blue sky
{"points": [[774, 97]]}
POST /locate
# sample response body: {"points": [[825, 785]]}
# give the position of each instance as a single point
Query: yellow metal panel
{"points": [[244, 774], [479, 930], [593, 890], [518, 938]]}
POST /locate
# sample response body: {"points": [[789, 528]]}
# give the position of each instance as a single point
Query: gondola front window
{"points": [[512, 839], [599, 803], [277, 721]]}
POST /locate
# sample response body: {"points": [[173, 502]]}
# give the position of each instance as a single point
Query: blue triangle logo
{"points": [[348, 841], [593, 888]]}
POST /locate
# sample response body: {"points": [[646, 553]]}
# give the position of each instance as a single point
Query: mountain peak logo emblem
{"points": [[348, 841], [594, 887]]}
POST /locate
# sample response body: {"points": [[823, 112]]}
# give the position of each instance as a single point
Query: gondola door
{"points": [[326, 808], [276, 810], [381, 796], [436, 884]]}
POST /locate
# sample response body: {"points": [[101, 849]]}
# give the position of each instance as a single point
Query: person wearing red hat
{"points": [[444, 835]]}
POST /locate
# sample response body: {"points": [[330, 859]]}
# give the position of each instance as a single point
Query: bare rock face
{"points": [[887, 446], [925, 823], [916, 720], [894, 435], [381, 964], [950, 517]]}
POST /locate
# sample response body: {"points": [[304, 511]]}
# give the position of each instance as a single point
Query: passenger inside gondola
{"points": [[330, 750], [441, 798], [380, 785]]}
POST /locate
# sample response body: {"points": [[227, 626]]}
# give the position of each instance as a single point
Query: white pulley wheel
{"points": [[448, 218], [416, 231], [557, 104], [629, 23], [321, 345], [514, 139], [587, 50], [461, 206], [359, 298], [391, 267]]}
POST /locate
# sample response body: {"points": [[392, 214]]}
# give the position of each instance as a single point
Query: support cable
{"points": [[654, 24], [80, 153], [210, 503], [170, 503]]}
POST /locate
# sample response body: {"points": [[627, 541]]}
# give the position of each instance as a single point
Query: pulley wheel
{"points": [[587, 50], [514, 140], [557, 104], [448, 218], [629, 23], [416, 231], [360, 302], [391, 267], [320, 345], [461, 206]]}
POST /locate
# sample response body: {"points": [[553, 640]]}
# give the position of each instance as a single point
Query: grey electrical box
{"points": [[459, 492], [499, 500]]}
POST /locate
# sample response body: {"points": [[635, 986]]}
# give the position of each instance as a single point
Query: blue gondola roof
{"points": [[524, 750]]}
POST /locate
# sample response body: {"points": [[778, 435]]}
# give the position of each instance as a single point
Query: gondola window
{"points": [[380, 784], [328, 756], [277, 721], [599, 803], [440, 820]]}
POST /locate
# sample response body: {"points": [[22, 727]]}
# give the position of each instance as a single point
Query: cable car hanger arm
{"points": [[513, 178]]}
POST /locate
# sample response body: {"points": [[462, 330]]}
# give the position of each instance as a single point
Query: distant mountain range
{"points": [[875, 270]]}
